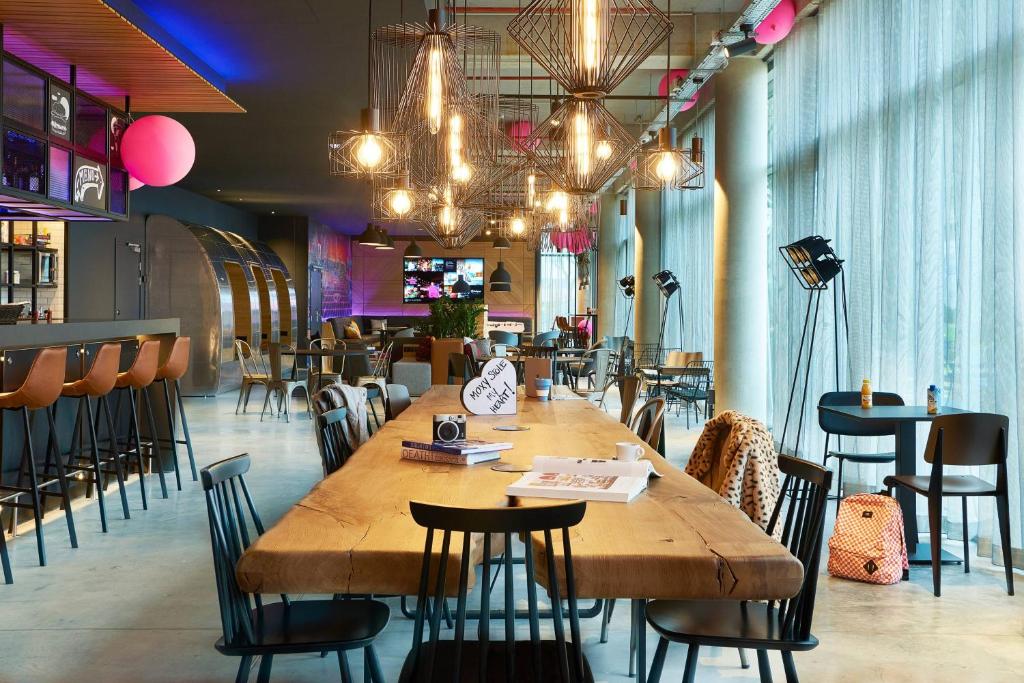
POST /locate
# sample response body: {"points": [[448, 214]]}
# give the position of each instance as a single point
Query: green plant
{"points": [[452, 318]]}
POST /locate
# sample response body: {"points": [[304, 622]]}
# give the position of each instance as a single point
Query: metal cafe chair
{"points": [[254, 372], [251, 628], [965, 440], [334, 447], [458, 659], [783, 625]]}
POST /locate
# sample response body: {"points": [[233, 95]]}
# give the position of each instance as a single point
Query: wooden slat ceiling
{"points": [[113, 56]]}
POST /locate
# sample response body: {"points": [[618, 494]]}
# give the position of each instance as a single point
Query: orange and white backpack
{"points": [[867, 543]]}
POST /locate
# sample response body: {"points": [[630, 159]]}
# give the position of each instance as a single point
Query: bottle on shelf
{"points": [[934, 399], [865, 394]]}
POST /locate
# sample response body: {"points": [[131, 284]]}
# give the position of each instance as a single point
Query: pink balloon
{"points": [[777, 24], [134, 183], [674, 75], [158, 150]]}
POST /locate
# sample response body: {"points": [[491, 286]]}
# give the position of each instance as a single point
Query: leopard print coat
{"points": [[735, 456]]}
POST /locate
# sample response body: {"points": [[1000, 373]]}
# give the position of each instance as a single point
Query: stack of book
{"points": [[463, 452]]}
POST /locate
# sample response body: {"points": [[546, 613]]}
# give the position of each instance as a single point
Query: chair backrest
{"points": [[333, 444], [328, 364], [231, 513], [380, 364], [398, 400], [503, 337], [629, 390], [599, 364], [648, 421], [458, 368], [831, 423], [477, 526], [973, 439], [535, 351], [249, 360], [696, 378], [176, 364], [143, 369], [403, 334], [801, 512], [681, 359], [546, 338]]}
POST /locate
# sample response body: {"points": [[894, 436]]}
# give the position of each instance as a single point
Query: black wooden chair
{"points": [[460, 368], [461, 660], [252, 628], [334, 447], [840, 425], [649, 422], [965, 440], [783, 625]]}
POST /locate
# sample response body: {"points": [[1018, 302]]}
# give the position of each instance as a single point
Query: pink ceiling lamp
{"points": [[673, 77], [777, 24], [157, 150]]}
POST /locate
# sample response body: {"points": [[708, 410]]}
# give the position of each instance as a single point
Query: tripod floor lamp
{"points": [[814, 264], [668, 285]]}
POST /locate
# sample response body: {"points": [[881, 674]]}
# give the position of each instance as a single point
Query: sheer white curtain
{"points": [[910, 155], [557, 292], [687, 249]]}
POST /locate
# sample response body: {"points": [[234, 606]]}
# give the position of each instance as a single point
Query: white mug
{"points": [[499, 350], [627, 451]]}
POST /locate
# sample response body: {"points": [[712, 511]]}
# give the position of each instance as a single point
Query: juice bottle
{"points": [[865, 394]]}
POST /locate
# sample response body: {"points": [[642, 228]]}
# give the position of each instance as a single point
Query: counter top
{"points": [[29, 336]]}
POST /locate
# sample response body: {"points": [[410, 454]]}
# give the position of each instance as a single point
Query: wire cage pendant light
{"points": [[668, 167], [367, 153], [590, 46]]}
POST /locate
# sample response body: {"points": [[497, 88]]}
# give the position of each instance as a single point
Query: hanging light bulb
{"points": [[531, 189], [517, 225], [586, 28], [666, 166], [581, 137], [603, 150], [400, 199], [369, 151], [435, 91]]}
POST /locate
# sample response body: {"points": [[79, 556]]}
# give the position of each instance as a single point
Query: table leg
{"points": [[906, 464], [640, 626]]}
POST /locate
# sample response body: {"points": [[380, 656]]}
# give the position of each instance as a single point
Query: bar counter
{"points": [[18, 346]]}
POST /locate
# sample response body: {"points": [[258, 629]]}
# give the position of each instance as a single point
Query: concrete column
{"points": [[648, 262], [607, 254], [741, 238]]}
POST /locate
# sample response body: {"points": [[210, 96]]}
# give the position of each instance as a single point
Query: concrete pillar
{"points": [[741, 238], [648, 262], [608, 298]]}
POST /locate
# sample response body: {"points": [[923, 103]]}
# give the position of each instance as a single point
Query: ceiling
{"points": [[299, 70]]}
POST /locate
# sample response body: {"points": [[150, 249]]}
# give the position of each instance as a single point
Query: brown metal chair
{"points": [[964, 440], [629, 390], [39, 391], [173, 369], [136, 380], [649, 421], [97, 384]]}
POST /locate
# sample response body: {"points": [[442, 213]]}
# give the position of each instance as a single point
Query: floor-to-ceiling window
{"points": [[909, 155], [557, 294]]}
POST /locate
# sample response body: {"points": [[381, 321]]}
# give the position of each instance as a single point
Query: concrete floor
{"points": [[139, 603]]}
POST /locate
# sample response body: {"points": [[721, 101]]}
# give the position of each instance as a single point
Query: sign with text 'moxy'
{"points": [[494, 391]]}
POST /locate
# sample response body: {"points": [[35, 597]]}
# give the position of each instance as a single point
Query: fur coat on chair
{"points": [[735, 457]]}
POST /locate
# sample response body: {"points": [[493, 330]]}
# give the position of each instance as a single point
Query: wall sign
{"points": [[60, 111], [494, 391]]}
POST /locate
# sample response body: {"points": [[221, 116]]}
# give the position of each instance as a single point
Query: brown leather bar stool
{"points": [[39, 391], [97, 384], [137, 378], [173, 369]]}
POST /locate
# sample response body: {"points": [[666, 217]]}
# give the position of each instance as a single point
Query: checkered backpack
{"points": [[867, 543]]}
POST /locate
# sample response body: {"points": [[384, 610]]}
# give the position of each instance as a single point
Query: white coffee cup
{"points": [[627, 451], [499, 350]]}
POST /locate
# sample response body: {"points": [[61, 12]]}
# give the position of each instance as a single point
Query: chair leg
{"points": [[172, 433], [346, 672], [238, 405], [97, 466], [243, 669], [372, 664], [62, 478], [266, 662], [184, 431], [37, 508], [112, 435], [1003, 512], [790, 667], [764, 668], [744, 662], [606, 615], [690, 672], [840, 492], [935, 536], [133, 427], [266, 402], [5, 560], [632, 643], [967, 545], [155, 448], [658, 663]]}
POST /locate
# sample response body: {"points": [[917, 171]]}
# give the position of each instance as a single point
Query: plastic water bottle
{"points": [[934, 399], [865, 394]]}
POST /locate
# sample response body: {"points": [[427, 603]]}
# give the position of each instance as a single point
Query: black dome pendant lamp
{"points": [[501, 279]]}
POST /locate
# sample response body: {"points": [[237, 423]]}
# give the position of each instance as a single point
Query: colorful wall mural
{"points": [[330, 265]]}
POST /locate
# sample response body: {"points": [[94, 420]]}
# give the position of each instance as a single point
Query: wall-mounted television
{"points": [[427, 278]]}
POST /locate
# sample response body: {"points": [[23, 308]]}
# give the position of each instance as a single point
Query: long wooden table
{"points": [[353, 533]]}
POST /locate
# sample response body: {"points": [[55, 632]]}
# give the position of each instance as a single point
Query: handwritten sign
{"points": [[494, 391]]}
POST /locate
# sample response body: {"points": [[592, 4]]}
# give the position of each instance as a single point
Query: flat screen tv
{"points": [[426, 278]]}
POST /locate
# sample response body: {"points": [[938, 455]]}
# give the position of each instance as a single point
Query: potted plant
{"points": [[452, 318]]}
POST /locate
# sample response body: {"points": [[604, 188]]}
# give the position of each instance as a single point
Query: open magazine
{"points": [[583, 479]]}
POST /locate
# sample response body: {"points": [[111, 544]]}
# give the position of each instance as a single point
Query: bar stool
{"points": [[40, 390], [97, 383], [173, 370], [137, 378]]}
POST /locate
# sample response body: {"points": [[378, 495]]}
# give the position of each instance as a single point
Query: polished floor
{"points": [[139, 603]]}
